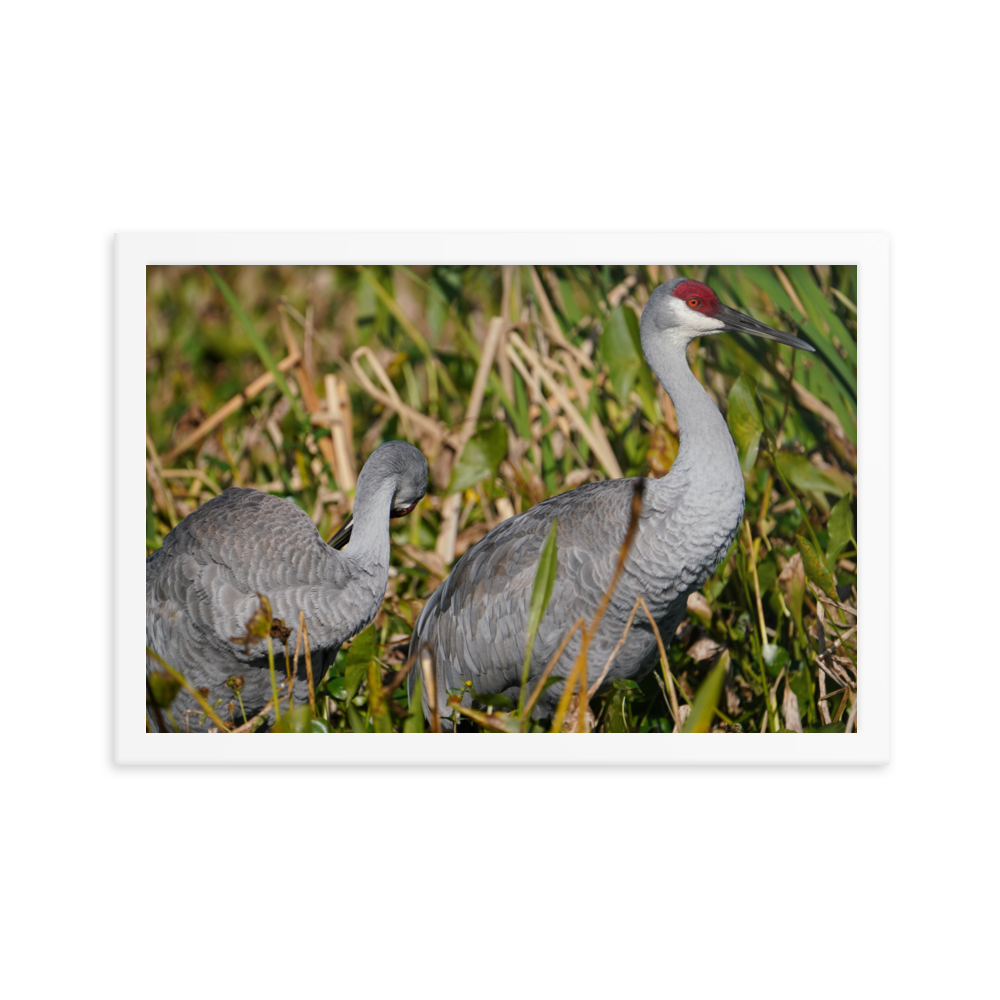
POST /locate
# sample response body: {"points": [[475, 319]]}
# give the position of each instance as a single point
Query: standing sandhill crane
{"points": [[475, 624], [203, 584]]}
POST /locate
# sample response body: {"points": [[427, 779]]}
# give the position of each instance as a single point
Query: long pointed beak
{"points": [[343, 534], [744, 324]]}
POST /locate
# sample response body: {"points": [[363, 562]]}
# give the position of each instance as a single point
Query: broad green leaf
{"points": [[164, 687], [336, 688], [705, 701], [841, 530], [405, 609], [833, 727], [767, 573], [803, 475], [294, 720], [816, 568], [775, 657], [361, 653], [793, 583], [414, 722], [800, 682], [320, 726], [621, 350], [355, 719], [631, 687], [541, 592], [480, 458], [741, 627], [745, 421], [646, 388], [615, 713]]}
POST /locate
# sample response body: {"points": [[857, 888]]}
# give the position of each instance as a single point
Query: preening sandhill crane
{"points": [[203, 584], [475, 624]]}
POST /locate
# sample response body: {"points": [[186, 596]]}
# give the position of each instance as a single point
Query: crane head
{"points": [[410, 469], [685, 309], [396, 465]]}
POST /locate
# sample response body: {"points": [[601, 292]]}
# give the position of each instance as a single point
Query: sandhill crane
{"points": [[203, 584], [475, 624]]}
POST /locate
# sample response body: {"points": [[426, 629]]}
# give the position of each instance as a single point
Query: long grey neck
{"points": [[707, 457], [369, 544]]}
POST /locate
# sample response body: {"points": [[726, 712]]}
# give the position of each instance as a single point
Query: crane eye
{"points": [[694, 303]]}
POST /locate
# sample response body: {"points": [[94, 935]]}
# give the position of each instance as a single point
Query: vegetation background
{"points": [[519, 383]]}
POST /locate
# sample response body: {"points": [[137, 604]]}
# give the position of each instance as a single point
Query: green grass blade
{"points": [[771, 287], [258, 345], [381, 717], [468, 340], [703, 709], [841, 530], [822, 326], [393, 306], [414, 722], [744, 419], [819, 309]]}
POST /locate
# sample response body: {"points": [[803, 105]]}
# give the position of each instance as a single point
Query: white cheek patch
{"points": [[706, 323], [691, 319]]}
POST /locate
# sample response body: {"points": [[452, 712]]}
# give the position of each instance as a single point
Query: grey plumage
{"points": [[475, 624], [202, 585]]}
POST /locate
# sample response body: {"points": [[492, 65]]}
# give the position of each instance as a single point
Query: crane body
{"points": [[475, 625], [202, 586]]}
